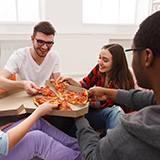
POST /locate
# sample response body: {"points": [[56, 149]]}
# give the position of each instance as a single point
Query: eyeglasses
{"points": [[140, 49], [41, 42]]}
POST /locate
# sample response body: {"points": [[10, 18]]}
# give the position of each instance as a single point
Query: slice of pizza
{"points": [[75, 97], [40, 100], [60, 87], [82, 98], [64, 106], [47, 91], [71, 97]]}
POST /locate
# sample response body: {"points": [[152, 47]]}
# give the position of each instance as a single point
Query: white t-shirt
{"points": [[22, 63]]}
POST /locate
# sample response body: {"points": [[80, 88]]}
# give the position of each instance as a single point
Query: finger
{"points": [[91, 88], [59, 78], [54, 106], [34, 86], [51, 80], [62, 79], [90, 94]]}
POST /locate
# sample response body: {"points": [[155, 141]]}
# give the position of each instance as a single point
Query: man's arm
{"points": [[135, 99], [91, 146], [7, 84], [55, 76]]}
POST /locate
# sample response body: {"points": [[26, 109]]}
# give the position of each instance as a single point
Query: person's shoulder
{"points": [[53, 52], [22, 51]]}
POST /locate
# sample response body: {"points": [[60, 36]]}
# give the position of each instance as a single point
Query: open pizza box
{"points": [[19, 102]]}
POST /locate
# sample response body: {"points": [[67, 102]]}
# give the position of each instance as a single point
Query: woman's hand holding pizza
{"points": [[45, 109], [68, 80]]}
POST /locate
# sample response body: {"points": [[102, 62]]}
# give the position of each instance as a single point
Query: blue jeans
{"points": [[106, 118]]}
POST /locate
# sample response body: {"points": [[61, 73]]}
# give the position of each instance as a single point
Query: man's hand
{"points": [[101, 94], [97, 94], [30, 87], [80, 117]]}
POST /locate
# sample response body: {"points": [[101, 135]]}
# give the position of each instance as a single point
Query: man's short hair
{"points": [[44, 27], [148, 34]]}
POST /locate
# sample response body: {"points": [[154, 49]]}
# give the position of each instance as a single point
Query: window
{"points": [[19, 10], [115, 11]]}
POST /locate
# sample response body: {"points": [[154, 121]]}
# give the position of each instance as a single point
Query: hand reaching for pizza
{"points": [[68, 80], [30, 87]]}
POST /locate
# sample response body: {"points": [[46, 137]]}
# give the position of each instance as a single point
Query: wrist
{"points": [[80, 117]]}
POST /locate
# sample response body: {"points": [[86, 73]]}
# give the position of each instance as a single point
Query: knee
{"points": [[35, 136], [117, 110]]}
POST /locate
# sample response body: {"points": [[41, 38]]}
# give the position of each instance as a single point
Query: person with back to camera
{"points": [[111, 72], [138, 135], [34, 136]]}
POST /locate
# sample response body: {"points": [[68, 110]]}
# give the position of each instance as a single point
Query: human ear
{"points": [[32, 38], [149, 57]]}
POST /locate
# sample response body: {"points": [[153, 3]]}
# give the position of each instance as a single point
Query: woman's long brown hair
{"points": [[120, 75]]}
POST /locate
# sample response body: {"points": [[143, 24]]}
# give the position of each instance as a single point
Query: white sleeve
{"points": [[57, 65], [13, 63]]}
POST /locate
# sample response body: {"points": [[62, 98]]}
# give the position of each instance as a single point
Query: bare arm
{"points": [[69, 80], [7, 84], [56, 75], [18, 132]]}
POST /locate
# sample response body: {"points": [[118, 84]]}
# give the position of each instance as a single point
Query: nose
{"points": [[99, 61], [44, 46]]}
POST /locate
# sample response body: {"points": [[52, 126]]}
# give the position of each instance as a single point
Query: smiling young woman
{"points": [[111, 72]]}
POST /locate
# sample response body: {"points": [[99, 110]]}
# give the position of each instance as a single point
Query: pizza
{"points": [[60, 87], [40, 100], [70, 97], [47, 91], [82, 98], [76, 98], [64, 106]]}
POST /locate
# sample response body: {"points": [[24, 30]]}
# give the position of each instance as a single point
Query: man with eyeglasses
{"points": [[33, 64], [138, 135], [37, 63]]}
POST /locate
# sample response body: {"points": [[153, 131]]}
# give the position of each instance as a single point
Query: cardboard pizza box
{"points": [[19, 102]]}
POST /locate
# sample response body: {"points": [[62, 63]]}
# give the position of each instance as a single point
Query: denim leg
{"points": [[106, 118], [113, 118]]}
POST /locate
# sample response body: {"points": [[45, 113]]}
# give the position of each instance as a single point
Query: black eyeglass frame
{"points": [[44, 42], [141, 48]]}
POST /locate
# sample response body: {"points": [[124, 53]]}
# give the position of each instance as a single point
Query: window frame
{"points": [[41, 16], [118, 24]]}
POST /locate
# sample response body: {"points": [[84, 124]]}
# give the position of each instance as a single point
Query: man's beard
{"points": [[38, 53]]}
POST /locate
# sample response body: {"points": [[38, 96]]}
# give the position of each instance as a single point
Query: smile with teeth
{"points": [[100, 67], [42, 51]]}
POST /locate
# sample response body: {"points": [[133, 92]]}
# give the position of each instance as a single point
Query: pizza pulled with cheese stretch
{"points": [[50, 96]]}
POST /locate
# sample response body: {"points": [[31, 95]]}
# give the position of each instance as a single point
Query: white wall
{"points": [[78, 44]]}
